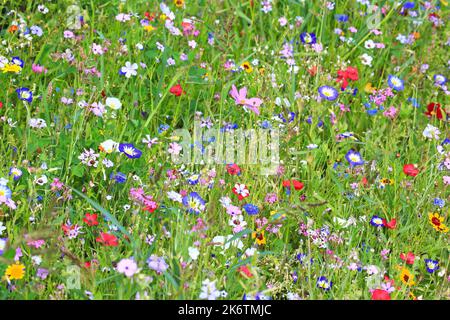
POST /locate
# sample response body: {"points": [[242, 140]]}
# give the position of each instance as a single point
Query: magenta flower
{"points": [[38, 69]]}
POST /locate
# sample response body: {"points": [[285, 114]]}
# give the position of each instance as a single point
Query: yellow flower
{"points": [[369, 88], [11, 68], [247, 67], [149, 28], [386, 181], [15, 271], [163, 17], [262, 71], [407, 277], [259, 237], [179, 3], [437, 222]]}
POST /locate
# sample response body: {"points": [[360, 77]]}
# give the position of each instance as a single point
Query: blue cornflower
{"points": [[266, 124], [439, 202], [163, 127], [119, 177], [251, 209], [415, 102], [409, 5], [341, 17]]}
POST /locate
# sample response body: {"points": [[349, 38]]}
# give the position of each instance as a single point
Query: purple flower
{"points": [[19, 254], [3, 242], [157, 263], [42, 273]]}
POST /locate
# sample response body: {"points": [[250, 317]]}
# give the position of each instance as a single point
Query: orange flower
{"points": [[12, 29]]}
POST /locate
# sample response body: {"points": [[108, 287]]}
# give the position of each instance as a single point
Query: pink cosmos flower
{"points": [[240, 98]]}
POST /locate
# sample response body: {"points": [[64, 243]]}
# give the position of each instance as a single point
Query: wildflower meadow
{"points": [[224, 149]]}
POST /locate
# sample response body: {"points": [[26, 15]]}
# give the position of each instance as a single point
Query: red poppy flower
{"points": [[391, 224], [410, 170], [245, 270], [408, 258], [313, 71], [365, 182], [149, 16], [233, 169], [1, 104], [348, 74], [91, 219], [379, 294], [177, 90], [434, 109], [297, 184], [108, 239], [151, 208]]}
